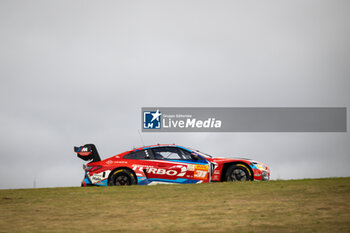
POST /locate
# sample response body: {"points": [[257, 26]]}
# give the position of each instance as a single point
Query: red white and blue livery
{"points": [[166, 163]]}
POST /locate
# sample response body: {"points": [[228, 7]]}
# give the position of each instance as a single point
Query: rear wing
{"points": [[87, 152]]}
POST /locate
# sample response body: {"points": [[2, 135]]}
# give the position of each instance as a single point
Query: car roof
{"points": [[159, 145]]}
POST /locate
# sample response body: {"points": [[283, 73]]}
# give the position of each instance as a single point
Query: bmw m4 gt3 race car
{"points": [[167, 163]]}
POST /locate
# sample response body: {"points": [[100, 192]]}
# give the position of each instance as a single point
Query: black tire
{"points": [[122, 177], [238, 172]]}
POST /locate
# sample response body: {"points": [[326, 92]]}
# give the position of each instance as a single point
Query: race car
{"points": [[166, 163]]}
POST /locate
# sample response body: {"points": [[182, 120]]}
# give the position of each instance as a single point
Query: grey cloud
{"points": [[79, 72]]}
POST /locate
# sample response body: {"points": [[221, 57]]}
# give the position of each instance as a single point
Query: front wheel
{"points": [[238, 172], [122, 177]]}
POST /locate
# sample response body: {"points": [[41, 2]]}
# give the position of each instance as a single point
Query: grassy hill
{"points": [[311, 205]]}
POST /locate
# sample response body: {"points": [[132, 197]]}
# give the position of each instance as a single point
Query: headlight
{"points": [[260, 166]]}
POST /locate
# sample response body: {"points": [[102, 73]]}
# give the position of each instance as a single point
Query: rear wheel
{"points": [[238, 172], [122, 177]]}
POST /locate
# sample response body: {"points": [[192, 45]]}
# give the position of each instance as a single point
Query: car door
{"points": [[198, 166], [176, 165]]}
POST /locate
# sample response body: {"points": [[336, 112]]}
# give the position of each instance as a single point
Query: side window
{"points": [[142, 154], [167, 153], [185, 154]]}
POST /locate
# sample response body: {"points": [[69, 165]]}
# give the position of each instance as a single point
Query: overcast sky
{"points": [[76, 72]]}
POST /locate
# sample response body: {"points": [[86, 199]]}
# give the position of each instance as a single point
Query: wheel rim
{"points": [[239, 175], [122, 179]]}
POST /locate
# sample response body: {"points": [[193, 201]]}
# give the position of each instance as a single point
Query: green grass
{"points": [[311, 205]]}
